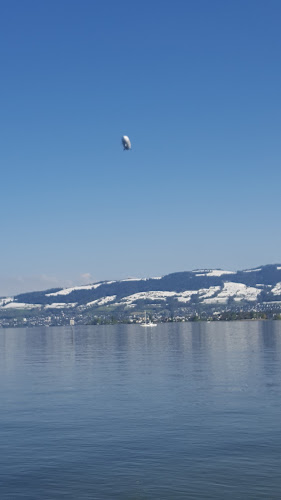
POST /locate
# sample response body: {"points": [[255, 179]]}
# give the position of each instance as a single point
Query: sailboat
{"points": [[149, 324]]}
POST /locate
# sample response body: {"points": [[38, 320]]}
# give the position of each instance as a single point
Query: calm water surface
{"points": [[180, 411]]}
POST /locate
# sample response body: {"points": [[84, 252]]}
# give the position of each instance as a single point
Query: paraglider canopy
{"points": [[126, 142]]}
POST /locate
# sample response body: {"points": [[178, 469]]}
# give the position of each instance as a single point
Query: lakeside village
{"points": [[31, 318]]}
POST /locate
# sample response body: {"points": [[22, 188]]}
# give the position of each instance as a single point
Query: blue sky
{"points": [[195, 85]]}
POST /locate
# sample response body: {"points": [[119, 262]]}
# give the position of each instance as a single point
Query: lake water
{"points": [[180, 411]]}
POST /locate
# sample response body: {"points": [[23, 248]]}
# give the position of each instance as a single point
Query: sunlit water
{"points": [[180, 411]]}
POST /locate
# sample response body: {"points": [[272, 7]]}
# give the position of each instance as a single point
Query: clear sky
{"points": [[197, 87]]}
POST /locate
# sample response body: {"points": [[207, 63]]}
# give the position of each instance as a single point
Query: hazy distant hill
{"points": [[207, 288]]}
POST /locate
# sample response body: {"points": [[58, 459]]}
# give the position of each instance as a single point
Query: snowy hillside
{"points": [[204, 287]]}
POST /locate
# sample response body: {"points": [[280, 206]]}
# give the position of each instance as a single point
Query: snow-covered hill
{"points": [[204, 287]]}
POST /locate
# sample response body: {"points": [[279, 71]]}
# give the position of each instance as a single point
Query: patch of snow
{"points": [[102, 301], [20, 305], [276, 290], [67, 291], [209, 292], [186, 296], [202, 293], [238, 291], [201, 271], [213, 272], [216, 300], [134, 279], [252, 270], [5, 301], [219, 272], [60, 305], [272, 302], [153, 295], [163, 295]]}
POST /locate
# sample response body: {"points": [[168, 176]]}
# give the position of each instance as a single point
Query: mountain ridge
{"points": [[264, 279]]}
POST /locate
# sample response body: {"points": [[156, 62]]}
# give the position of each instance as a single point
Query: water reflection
{"points": [[270, 351], [214, 346], [179, 411]]}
